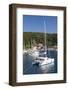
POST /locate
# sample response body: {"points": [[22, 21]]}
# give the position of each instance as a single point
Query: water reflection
{"points": [[29, 68]]}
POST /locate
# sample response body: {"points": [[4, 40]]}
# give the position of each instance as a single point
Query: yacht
{"points": [[41, 58]]}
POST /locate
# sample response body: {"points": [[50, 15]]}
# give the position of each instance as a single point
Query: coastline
{"points": [[30, 50]]}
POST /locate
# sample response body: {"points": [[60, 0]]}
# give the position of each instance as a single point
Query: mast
{"points": [[45, 32], [46, 46]]}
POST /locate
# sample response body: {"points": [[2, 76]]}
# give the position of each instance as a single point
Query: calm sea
{"points": [[29, 68]]}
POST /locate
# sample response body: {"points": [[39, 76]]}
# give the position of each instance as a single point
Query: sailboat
{"points": [[41, 60]]}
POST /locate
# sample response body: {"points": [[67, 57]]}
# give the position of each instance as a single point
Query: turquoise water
{"points": [[29, 68]]}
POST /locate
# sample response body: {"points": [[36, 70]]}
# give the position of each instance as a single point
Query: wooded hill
{"points": [[49, 38]]}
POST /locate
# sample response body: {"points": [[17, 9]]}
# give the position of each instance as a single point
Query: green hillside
{"points": [[51, 39]]}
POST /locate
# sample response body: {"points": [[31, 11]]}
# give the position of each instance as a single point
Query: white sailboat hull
{"points": [[47, 60], [43, 61]]}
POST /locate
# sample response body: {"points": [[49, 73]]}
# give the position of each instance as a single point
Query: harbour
{"points": [[29, 68]]}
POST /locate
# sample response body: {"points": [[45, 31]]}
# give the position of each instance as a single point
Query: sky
{"points": [[46, 24]]}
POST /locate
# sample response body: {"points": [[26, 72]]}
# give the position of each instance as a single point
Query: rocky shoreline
{"points": [[30, 50]]}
